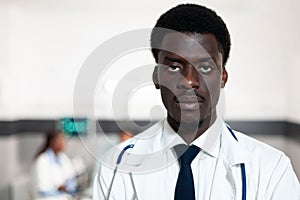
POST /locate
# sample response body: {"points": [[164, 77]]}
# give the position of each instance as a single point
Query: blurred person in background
{"points": [[125, 136], [54, 176]]}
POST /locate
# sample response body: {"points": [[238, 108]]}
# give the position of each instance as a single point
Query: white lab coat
{"points": [[50, 172], [269, 174]]}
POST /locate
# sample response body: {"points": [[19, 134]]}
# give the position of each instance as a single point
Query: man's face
{"points": [[190, 75]]}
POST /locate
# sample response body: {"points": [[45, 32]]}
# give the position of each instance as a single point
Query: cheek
{"points": [[213, 87], [166, 95], [169, 81], [61, 144], [168, 88]]}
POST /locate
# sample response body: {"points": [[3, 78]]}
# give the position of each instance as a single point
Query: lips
{"points": [[189, 102]]}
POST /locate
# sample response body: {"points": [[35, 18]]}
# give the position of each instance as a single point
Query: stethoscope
{"points": [[243, 170], [130, 146], [119, 159]]}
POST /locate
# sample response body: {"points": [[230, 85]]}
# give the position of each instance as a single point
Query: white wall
{"points": [[293, 71], [257, 86], [4, 47], [44, 44]]}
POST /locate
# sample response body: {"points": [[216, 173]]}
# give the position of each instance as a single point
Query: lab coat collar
{"points": [[52, 157], [150, 145], [209, 141], [231, 149]]}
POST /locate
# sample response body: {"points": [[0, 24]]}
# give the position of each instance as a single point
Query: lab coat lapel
{"points": [[148, 153], [233, 154], [232, 149], [149, 169]]}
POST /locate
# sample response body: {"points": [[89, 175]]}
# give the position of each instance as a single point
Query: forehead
{"points": [[191, 46]]}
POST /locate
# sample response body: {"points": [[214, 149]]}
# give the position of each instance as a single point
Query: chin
{"points": [[190, 118], [194, 117], [190, 122]]}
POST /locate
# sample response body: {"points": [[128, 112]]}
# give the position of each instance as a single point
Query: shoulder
{"points": [[41, 159], [264, 159], [257, 148], [64, 156], [41, 163], [241, 148], [143, 143], [269, 167]]}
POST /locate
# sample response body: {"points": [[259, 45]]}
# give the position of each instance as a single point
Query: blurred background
{"points": [[45, 43]]}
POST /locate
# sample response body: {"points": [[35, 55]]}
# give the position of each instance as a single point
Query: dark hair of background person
{"points": [[192, 18], [50, 137]]}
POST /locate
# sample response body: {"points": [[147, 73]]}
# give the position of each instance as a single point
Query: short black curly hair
{"points": [[192, 18]]}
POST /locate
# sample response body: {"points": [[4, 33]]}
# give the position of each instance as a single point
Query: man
{"points": [[193, 154]]}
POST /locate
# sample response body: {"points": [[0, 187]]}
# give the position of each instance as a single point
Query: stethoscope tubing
{"points": [[243, 170]]}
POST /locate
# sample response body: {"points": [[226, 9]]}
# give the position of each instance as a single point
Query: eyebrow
{"points": [[167, 58], [180, 60]]}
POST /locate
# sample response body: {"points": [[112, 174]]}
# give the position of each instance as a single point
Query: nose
{"points": [[189, 78]]}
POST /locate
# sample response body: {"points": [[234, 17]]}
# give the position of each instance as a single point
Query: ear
{"points": [[224, 77], [155, 77]]}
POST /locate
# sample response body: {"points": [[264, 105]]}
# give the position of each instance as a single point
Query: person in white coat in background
{"points": [[193, 154], [54, 176]]}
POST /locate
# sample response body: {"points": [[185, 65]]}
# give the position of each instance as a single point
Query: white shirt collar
{"points": [[209, 141]]}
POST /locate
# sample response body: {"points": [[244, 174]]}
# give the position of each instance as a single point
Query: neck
{"points": [[191, 131], [54, 151]]}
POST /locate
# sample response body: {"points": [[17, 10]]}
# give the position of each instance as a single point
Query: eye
{"points": [[205, 69], [170, 67], [174, 68]]}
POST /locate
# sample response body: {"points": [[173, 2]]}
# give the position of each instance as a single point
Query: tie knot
{"points": [[186, 153]]}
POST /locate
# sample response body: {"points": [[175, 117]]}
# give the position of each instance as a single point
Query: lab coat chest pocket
{"points": [[227, 184]]}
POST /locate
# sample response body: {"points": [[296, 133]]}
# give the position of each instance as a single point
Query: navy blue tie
{"points": [[185, 183]]}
